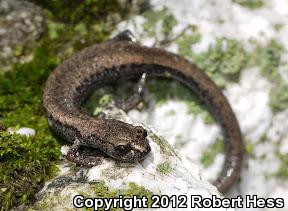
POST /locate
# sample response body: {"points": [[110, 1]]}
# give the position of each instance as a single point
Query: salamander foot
{"points": [[73, 155], [135, 99]]}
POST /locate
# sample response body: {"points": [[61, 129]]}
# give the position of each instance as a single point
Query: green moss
{"points": [[136, 190], [164, 168], [251, 4], [105, 100], [209, 155], [102, 191], [18, 50], [26, 162], [86, 11], [96, 105], [54, 29], [97, 99], [73, 25]]}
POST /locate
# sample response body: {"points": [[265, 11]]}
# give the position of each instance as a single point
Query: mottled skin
{"points": [[95, 66]]}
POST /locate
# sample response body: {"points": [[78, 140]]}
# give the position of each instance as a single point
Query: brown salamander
{"points": [[101, 64]]}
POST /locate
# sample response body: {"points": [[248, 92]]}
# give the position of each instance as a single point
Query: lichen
{"points": [[279, 97], [50, 201], [249, 147], [278, 26], [186, 42], [251, 4], [223, 61], [163, 17], [177, 91], [164, 145], [113, 173], [283, 170], [210, 153], [164, 168], [268, 59]]}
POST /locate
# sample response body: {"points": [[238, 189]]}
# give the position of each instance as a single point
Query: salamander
{"points": [[102, 64]]}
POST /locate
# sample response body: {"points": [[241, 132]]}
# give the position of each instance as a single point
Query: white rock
{"points": [[25, 131], [250, 101], [180, 177], [281, 192]]}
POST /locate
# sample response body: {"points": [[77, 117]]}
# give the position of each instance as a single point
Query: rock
{"points": [[162, 172], [24, 131], [21, 24]]}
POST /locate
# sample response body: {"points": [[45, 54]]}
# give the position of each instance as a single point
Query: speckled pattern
{"points": [[95, 66]]}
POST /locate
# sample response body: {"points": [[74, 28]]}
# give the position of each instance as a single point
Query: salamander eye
{"points": [[141, 133], [122, 149]]}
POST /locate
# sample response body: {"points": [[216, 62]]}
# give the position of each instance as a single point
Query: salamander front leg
{"points": [[73, 155]]}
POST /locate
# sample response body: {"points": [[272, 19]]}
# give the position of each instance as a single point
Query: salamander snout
{"points": [[141, 133], [137, 148], [126, 142]]}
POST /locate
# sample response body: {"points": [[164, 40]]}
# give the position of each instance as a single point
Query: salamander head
{"points": [[127, 143]]}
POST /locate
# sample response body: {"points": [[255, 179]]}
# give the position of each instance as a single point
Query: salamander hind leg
{"points": [[135, 99], [74, 155]]}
